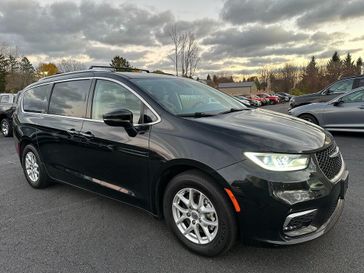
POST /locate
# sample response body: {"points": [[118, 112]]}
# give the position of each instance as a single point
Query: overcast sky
{"points": [[236, 36]]}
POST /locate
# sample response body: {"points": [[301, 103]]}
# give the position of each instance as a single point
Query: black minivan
{"points": [[183, 151]]}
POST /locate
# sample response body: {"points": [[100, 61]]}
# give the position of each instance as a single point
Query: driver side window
{"points": [[342, 86], [110, 96], [355, 97]]}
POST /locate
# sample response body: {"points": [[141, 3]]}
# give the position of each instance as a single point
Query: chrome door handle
{"points": [[71, 131]]}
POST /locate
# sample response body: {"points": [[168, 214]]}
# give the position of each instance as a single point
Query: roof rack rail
{"points": [[123, 69], [352, 76]]}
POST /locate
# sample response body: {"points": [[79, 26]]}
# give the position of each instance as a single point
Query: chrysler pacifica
{"points": [[215, 170]]}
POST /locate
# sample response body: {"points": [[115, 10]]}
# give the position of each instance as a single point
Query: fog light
{"points": [[293, 193]]}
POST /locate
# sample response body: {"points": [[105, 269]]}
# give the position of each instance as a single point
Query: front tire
{"points": [[6, 128], [309, 118], [33, 168], [199, 214]]}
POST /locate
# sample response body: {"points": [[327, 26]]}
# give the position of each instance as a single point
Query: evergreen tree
{"points": [[215, 79], [349, 68], [334, 68], [13, 64], [120, 64], [359, 66], [208, 77], [311, 77], [25, 66], [27, 72]]}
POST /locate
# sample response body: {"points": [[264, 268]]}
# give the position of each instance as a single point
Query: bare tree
{"points": [[264, 77], [176, 40], [68, 65], [185, 52]]}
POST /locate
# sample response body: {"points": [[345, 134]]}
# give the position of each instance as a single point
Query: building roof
{"points": [[235, 84]]}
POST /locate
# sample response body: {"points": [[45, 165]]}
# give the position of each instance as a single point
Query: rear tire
{"points": [[6, 127], [33, 168], [309, 118], [211, 228]]}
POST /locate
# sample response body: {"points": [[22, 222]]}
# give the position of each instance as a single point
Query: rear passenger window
{"points": [[70, 98], [110, 96], [36, 99], [361, 82]]}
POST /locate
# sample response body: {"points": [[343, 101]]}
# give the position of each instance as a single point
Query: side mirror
{"points": [[326, 92], [121, 118], [337, 102]]}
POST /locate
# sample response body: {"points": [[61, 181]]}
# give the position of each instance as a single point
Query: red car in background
{"points": [[272, 98], [263, 101]]}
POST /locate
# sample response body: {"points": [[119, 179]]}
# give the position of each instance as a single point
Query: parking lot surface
{"points": [[64, 229]]}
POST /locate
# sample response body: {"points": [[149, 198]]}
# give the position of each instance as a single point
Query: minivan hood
{"points": [[263, 130]]}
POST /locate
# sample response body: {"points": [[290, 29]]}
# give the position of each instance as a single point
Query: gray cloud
{"points": [[258, 41], [265, 61], [254, 36], [66, 26], [308, 13], [200, 27], [342, 52], [357, 39]]}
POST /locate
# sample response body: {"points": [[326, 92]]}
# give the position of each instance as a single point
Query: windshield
{"points": [[187, 97]]}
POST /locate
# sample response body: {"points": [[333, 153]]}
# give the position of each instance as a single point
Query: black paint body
{"points": [[141, 166]]}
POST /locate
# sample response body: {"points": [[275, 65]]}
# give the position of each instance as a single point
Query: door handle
{"points": [[87, 134], [71, 131]]}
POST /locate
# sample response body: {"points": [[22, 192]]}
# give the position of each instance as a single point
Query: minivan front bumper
{"points": [[265, 218], [287, 240]]}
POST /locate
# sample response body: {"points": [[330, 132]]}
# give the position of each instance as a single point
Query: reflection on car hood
{"points": [[262, 130], [307, 96], [307, 107]]}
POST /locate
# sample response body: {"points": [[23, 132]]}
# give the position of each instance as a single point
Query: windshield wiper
{"points": [[231, 110], [196, 115]]}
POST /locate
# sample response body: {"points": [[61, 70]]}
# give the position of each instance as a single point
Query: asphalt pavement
{"points": [[64, 229]]}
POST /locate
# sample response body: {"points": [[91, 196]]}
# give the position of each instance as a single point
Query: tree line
{"points": [[300, 80], [17, 72]]}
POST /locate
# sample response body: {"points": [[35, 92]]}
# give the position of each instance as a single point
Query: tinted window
{"points": [[354, 97], [36, 99], [361, 83], [182, 96], [4, 99], [110, 96], [70, 98], [342, 86]]}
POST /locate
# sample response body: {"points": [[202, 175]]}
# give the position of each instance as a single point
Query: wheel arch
{"points": [[173, 169], [310, 114], [22, 144]]}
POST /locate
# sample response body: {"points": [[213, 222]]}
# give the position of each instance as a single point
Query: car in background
{"points": [[284, 97], [345, 113], [7, 106], [251, 101], [263, 101], [243, 100], [271, 98], [331, 92]]}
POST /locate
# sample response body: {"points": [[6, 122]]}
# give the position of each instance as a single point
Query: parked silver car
{"points": [[344, 113]]}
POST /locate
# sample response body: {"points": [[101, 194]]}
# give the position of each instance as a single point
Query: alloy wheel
{"points": [[195, 216], [5, 127], [32, 167]]}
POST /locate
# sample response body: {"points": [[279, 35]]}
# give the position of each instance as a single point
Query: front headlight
{"points": [[279, 162]]}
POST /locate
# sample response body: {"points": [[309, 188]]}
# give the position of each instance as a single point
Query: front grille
{"points": [[330, 166]]}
